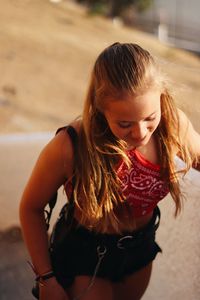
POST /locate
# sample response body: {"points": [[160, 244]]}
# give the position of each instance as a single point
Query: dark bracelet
{"points": [[43, 277]]}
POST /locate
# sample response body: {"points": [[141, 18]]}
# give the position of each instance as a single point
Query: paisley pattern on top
{"points": [[142, 184]]}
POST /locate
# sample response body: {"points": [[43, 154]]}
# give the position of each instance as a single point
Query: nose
{"points": [[139, 131]]}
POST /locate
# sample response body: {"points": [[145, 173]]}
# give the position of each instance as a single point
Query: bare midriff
{"points": [[138, 223]]}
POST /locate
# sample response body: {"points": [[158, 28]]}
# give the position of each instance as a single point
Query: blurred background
{"points": [[47, 50]]}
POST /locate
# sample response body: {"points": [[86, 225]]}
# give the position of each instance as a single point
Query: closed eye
{"points": [[124, 124], [150, 119]]}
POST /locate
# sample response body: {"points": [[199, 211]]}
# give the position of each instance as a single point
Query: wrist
{"points": [[37, 272], [43, 278]]}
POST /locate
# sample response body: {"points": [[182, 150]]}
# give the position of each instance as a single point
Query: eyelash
{"points": [[150, 119], [124, 126], [129, 125]]}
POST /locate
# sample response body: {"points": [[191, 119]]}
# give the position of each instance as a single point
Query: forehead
{"points": [[133, 107]]}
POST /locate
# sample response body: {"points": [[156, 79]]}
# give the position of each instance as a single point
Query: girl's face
{"points": [[134, 118]]}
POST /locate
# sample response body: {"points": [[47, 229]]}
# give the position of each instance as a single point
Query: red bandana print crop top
{"points": [[141, 184]]}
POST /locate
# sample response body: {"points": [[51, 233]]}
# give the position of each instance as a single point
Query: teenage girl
{"points": [[121, 156]]}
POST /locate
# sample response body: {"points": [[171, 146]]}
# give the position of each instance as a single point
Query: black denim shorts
{"points": [[112, 257]]}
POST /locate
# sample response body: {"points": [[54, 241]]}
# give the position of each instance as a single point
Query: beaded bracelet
{"points": [[43, 277], [40, 278]]}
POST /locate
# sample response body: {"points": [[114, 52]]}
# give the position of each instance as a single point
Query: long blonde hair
{"points": [[120, 68]]}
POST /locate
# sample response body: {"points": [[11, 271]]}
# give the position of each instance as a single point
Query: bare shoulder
{"points": [[56, 157], [188, 134], [53, 167]]}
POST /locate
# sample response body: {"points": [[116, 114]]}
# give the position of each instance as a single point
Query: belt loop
{"points": [[121, 240]]}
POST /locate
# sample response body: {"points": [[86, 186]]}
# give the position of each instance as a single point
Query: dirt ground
{"points": [[46, 54]]}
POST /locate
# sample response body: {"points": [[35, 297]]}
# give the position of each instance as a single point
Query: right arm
{"points": [[53, 167]]}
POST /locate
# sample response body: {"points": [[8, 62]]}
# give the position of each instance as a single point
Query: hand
{"points": [[52, 290]]}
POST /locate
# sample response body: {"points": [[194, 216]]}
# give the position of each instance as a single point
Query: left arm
{"points": [[190, 136]]}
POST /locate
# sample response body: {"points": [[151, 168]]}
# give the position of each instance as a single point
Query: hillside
{"points": [[46, 54]]}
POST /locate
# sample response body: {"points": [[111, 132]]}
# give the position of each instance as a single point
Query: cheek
{"points": [[154, 125], [118, 132]]}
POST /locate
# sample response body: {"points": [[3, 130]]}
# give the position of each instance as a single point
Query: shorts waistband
{"points": [[127, 238]]}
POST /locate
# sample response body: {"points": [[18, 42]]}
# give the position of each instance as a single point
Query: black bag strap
{"points": [[74, 139]]}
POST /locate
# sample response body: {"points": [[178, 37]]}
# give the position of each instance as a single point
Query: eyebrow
{"points": [[123, 121]]}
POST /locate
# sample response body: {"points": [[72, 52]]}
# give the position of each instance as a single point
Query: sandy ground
{"points": [[46, 53]]}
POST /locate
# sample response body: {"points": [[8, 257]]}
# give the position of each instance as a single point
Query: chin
{"points": [[138, 142]]}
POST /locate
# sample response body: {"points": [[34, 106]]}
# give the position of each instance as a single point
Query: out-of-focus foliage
{"points": [[114, 8], [96, 6]]}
